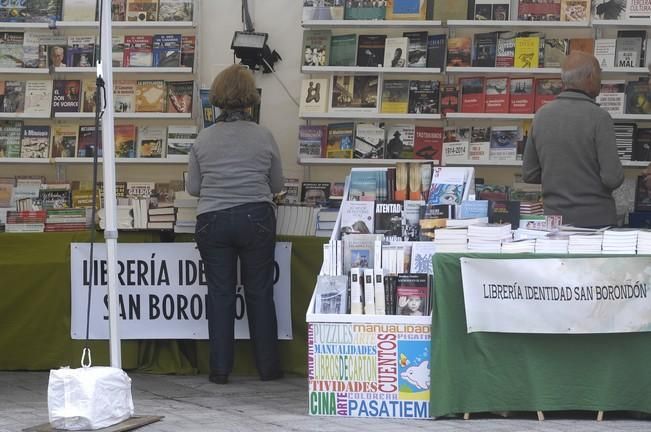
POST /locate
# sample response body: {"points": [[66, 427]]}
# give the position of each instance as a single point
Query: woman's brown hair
{"points": [[234, 88]]}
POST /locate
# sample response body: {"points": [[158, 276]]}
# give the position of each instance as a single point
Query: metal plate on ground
{"points": [[134, 422]]}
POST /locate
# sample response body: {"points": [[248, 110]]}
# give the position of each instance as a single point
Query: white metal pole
{"points": [[105, 69]]}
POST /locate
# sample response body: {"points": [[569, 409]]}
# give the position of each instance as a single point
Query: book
{"points": [[64, 140], [501, 212], [479, 146], [66, 96], [179, 141], [88, 102], [638, 97], [546, 91], [179, 96], [117, 50], [472, 94], [527, 51], [118, 10], [38, 97], [448, 185], [138, 51], [124, 96], [208, 110], [150, 96], [484, 49], [412, 294], [505, 49], [364, 10], [357, 217], [81, 51], [423, 97], [575, 10], [35, 142], [629, 48], [395, 52], [400, 141], [175, 10], [388, 220], [57, 54], [608, 9], [604, 51], [582, 44], [343, 50], [30, 11], [87, 141], [125, 140], [406, 10], [539, 11], [503, 143], [315, 193], [151, 141], [459, 51], [521, 96], [331, 294], [316, 47], [354, 92], [483, 10], [555, 52], [166, 50], [14, 97], [34, 49], [436, 50], [497, 95], [395, 96], [638, 9], [416, 48], [428, 143], [367, 185], [370, 50], [340, 140], [641, 146], [11, 49], [10, 138], [312, 141], [188, 46], [369, 141], [142, 10], [314, 96], [449, 99], [323, 10]]}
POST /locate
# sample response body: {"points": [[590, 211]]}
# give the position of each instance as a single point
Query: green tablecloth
{"points": [[35, 310], [481, 372]]}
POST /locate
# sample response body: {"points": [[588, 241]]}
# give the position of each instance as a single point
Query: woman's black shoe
{"points": [[273, 376], [218, 378]]}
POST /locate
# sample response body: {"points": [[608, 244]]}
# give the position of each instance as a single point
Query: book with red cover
{"points": [[497, 95], [449, 98], [522, 96], [472, 94], [546, 90], [428, 143]]}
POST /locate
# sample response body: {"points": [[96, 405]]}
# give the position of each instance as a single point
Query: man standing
{"points": [[572, 151]]}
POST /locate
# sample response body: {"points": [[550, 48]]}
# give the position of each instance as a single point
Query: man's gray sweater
{"points": [[571, 150]]}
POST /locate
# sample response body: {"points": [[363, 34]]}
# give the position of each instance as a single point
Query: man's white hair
{"points": [[579, 75]]}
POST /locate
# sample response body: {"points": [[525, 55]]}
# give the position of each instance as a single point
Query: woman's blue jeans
{"points": [[247, 232]]}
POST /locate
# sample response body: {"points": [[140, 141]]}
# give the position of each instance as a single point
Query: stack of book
{"points": [[585, 243], [552, 244], [644, 242], [25, 221], [488, 237], [451, 240], [531, 208], [519, 246], [325, 222], [620, 241], [186, 212], [65, 219], [124, 217]]}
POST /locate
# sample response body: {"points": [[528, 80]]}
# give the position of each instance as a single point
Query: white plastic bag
{"points": [[88, 397]]}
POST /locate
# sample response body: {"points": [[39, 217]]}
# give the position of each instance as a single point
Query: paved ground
{"points": [[192, 404]]}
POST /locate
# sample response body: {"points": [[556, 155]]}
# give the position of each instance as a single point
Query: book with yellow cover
{"points": [[150, 96], [526, 52], [406, 10], [395, 96]]}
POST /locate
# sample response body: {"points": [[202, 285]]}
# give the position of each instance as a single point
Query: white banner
{"points": [[162, 292], [574, 295]]}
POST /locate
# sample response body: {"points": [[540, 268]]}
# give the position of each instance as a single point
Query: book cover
{"points": [[166, 51], [370, 50], [117, 50], [331, 294], [151, 141], [449, 98], [138, 51], [490, 192], [628, 49], [501, 212], [448, 185], [13, 100], [88, 88], [150, 96], [400, 141], [124, 96], [10, 138], [179, 141], [604, 51], [312, 141], [175, 10], [314, 96], [343, 50], [497, 95], [529, 10], [364, 10], [503, 143], [369, 141], [521, 96], [436, 49], [555, 52], [319, 10], [365, 185], [395, 52], [472, 94], [208, 110], [479, 147], [188, 46], [526, 52], [341, 138], [86, 144], [423, 97], [66, 96], [638, 97], [428, 143], [57, 54], [118, 10], [357, 217], [125, 140], [406, 10], [483, 10], [575, 10], [30, 11], [484, 49], [546, 91], [388, 220], [395, 96], [11, 49], [64, 140], [354, 92], [638, 9], [35, 142], [432, 217], [582, 44], [505, 50], [315, 193], [459, 51], [142, 10], [501, 10], [81, 51], [179, 96], [608, 9], [316, 47], [416, 48], [38, 97], [34, 49]]}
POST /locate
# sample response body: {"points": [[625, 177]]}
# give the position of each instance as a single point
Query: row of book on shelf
{"points": [[45, 11], [72, 140], [34, 49], [43, 98], [481, 10]]}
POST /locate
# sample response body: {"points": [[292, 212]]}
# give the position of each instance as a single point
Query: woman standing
{"points": [[235, 168]]}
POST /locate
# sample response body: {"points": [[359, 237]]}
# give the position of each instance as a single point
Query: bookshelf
{"points": [[503, 70], [325, 24], [369, 115], [367, 70], [502, 25], [489, 116], [358, 162]]}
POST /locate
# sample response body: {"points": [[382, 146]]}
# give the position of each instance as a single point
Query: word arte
{"points": [[555, 293]]}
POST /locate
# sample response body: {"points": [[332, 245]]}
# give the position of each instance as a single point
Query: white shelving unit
{"points": [[130, 115], [22, 116], [489, 116], [369, 115], [356, 162], [29, 161], [514, 23], [371, 24], [622, 23], [626, 70], [358, 70], [144, 161], [632, 117], [503, 70]]}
